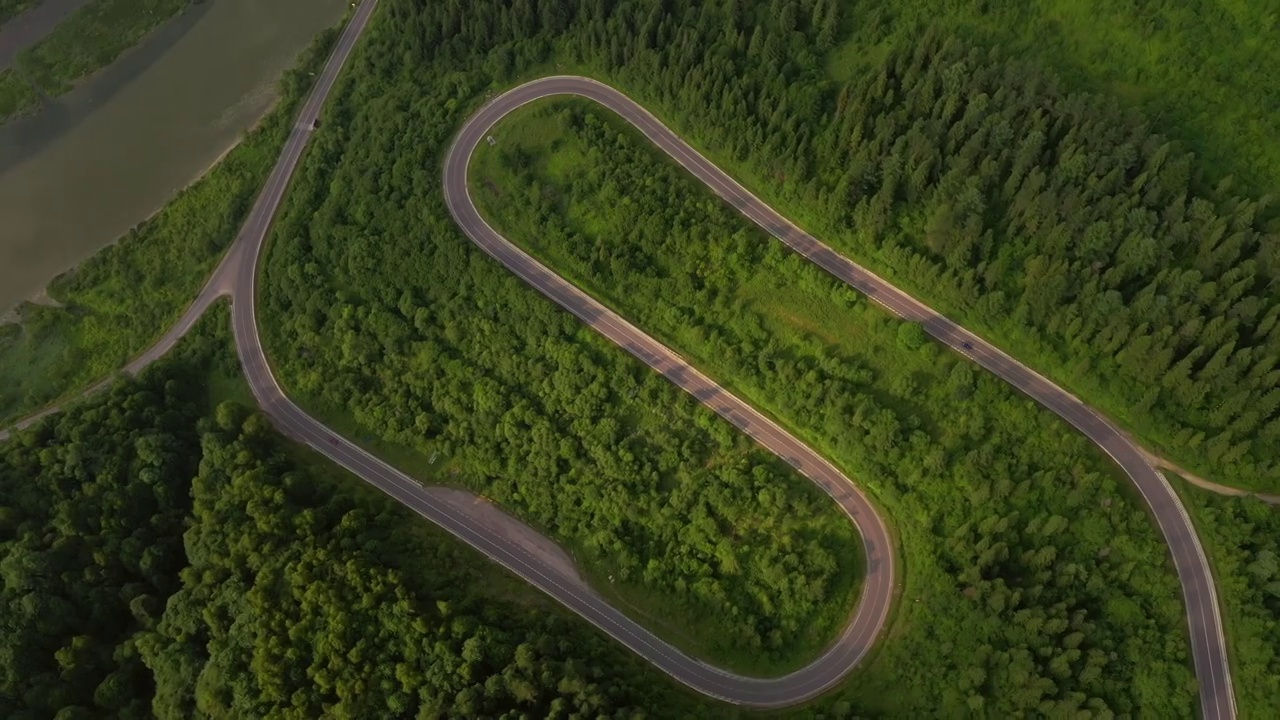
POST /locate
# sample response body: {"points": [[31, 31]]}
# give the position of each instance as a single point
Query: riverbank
{"points": [[120, 299], [44, 298], [125, 141]]}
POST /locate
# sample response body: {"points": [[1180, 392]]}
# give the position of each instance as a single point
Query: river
{"points": [[93, 163]]}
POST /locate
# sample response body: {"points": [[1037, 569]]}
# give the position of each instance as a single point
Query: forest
{"points": [[166, 556], [1056, 223], [1033, 571], [1048, 559], [91, 520], [383, 321], [1242, 536], [1020, 547], [120, 300], [1200, 69], [1154, 300], [1091, 247]]}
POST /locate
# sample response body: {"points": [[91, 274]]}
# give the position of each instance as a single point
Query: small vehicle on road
{"points": [[333, 440], [966, 346]]}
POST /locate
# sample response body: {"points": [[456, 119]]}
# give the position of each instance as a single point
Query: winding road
{"points": [[1204, 619], [504, 540]]}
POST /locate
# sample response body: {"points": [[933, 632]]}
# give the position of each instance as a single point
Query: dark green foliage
{"points": [[1075, 236], [369, 281], [1242, 536], [16, 93], [161, 559], [93, 504], [386, 312], [305, 599], [10, 8], [361, 259], [1041, 590], [1203, 68]]}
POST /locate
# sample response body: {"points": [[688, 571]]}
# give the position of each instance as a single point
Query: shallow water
{"points": [[93, 163]]}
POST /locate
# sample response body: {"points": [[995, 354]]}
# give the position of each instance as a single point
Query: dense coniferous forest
{"points": [[1054, 222], [1083, 230], [1203, 69], [165, 559]]}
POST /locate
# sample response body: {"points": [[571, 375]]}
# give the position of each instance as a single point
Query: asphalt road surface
{"points": [[491, 532], [1204, 620]]}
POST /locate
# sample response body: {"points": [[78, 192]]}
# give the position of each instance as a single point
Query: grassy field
{"points": [[127, 295], [654, 244]]}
